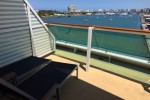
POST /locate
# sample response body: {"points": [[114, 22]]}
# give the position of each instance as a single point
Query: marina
{"points": [[115, 20]]}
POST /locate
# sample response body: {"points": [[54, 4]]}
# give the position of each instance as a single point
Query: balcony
{"points": [[118, 62], [113, 63]]}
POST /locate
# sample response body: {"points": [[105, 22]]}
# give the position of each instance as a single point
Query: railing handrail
{"points": [[105, 28], [66, 24]]}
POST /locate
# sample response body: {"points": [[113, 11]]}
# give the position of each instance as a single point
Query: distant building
{"points": [[89, 14], [72, 8], [100, 10], [87, 10], [78, 10], [146, 10], [121, 10], [132, 10], [59, 15], [138, 10], [37, 11]]}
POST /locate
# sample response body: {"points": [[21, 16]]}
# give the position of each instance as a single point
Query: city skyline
{"points": [[62, 5]]}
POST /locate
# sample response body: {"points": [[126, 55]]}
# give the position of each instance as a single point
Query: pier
{"points": [[144, 27]]}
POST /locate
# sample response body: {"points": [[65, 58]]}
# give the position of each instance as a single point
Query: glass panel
{"points": [[130, 44], [69, 34], [120, 43]]}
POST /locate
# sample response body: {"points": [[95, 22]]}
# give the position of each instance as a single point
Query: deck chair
{"points": [[24, 67], [11, 92], [44, 83]]}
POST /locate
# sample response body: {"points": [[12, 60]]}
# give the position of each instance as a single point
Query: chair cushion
{"points": [[22, 66], [39, 84]]}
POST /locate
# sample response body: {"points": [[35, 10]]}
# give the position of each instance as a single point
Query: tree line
{"points": [[46, 13]]}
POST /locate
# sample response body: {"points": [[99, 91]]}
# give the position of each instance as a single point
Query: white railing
{"points": [[134, 60]]}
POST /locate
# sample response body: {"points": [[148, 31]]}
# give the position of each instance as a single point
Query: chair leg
{"points": [[77, 73], [58, 94]]}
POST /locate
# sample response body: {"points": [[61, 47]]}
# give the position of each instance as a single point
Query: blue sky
{"points": [[89, 4]]}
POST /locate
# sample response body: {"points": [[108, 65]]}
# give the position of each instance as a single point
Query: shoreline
{"points": [[102, 20]]}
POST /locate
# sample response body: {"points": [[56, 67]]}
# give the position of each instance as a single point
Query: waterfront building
{"points": [[72, 8], [146, 10], [37, 11], [133, 10], [100, 10]]}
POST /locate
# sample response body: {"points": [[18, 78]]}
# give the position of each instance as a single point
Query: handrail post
{"points": [[89, 42], [31, 32]]}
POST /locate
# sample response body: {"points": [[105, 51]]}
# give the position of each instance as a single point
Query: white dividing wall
{"points": [[43, 39], [22, 32], [15, 41]]}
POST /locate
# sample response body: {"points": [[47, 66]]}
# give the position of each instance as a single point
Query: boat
{"points": [[108, 13], [85, 20], [124, 14], [130, 16], [99, 14]]}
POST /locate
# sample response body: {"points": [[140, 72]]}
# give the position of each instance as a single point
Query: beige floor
{"points": [[99, 85]]}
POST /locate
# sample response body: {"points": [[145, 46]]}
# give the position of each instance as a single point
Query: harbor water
{"points": [[122, 21]]}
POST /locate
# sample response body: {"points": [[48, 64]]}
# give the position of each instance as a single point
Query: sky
{"points": [[89, 4]]}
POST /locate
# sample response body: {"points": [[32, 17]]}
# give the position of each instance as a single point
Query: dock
{"points": [[144, 27]]}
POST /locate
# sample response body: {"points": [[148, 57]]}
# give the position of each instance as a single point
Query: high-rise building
{"points": [[146, 10], [72, 8], [132, 10]]}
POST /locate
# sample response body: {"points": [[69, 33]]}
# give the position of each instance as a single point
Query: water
{"points": [[129, 21]]}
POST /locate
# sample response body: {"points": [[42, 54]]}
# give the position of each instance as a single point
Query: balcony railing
{"points": [[128, 44]]}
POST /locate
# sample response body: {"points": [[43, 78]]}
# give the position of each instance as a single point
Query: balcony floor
{"points": [[97, 84]]}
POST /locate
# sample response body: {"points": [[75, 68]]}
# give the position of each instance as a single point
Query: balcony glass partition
{"points": [[118, 42], [122, 43], [69, 34]]}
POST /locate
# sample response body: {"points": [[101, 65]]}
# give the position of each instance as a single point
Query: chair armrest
{"points": [[11, 77], [9, 86], [51, 91]]}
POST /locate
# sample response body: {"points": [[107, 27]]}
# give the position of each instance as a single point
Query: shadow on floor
{"points": [[76, 89], [146, 86], [82, 66]]}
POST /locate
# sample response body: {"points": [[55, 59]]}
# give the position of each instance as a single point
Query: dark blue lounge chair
{"points": [[24, 66], [42, 84]]}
